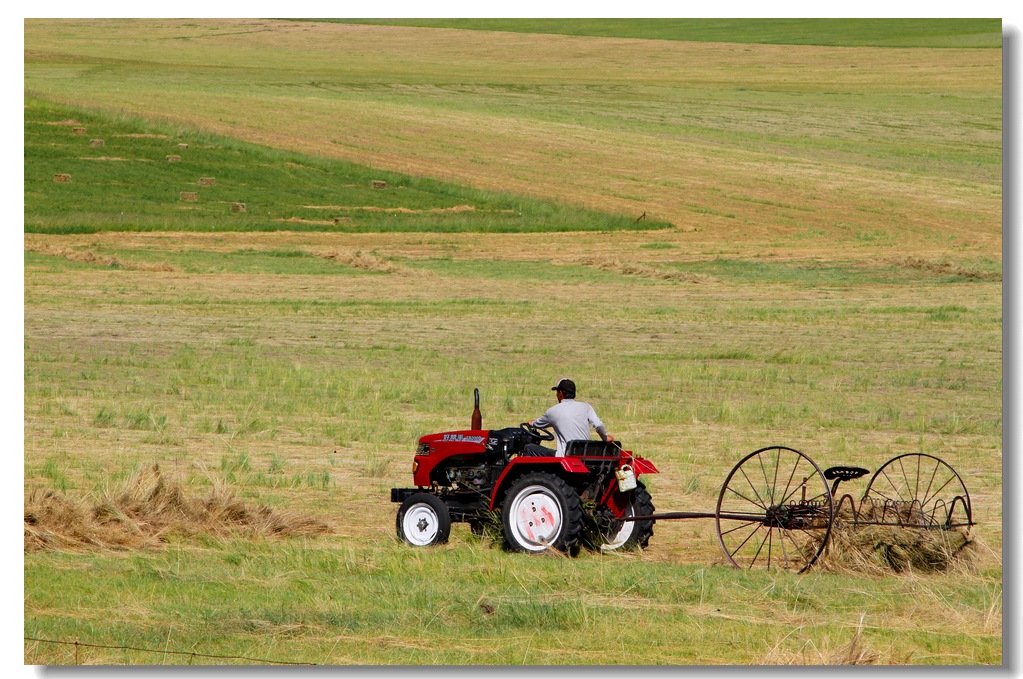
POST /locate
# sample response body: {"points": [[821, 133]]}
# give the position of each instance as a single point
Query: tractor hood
{"points": [[434, 448], [465, 441]]}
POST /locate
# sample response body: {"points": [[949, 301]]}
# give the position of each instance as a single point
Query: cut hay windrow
{"points": [[146, 510], [89, 257], [943, 267], [615, 265], [365, 261]]}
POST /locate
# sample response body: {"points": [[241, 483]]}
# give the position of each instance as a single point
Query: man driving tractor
{"points": [[571, 420]]}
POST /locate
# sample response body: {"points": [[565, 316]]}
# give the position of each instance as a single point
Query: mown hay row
{"points": [[943, 267], [89, 257], [145, 511], [626, 269], [366, 262]]}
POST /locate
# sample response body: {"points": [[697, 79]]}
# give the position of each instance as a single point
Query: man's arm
{"points": [[599, 426]]}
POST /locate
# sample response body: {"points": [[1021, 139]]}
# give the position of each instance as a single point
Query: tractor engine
{"points": [[476, 477]]}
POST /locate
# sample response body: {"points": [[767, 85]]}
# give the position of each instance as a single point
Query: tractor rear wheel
{"points": [[423, 519], [621, 536], [541, 511]]}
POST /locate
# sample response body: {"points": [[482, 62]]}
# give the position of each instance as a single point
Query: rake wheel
{"points": [[916, 490], [775, 511]]}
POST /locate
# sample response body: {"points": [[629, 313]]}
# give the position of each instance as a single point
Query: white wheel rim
{"points": [[624, 533], [420, 524], [535, 518]]}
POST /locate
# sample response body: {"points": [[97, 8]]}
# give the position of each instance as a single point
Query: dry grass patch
{"points": [[881, 550], [365, 261], [615, 265], [90, 257], [943, 267], [856, 651], [299, 220], [147, 509]]}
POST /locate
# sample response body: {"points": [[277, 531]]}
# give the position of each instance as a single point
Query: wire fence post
{"points": [[76, 652]]}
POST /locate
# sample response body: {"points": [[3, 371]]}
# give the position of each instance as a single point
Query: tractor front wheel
{"points": [[423, 519], [541, 511]]}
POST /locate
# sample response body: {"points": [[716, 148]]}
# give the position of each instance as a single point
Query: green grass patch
{"points": [[42, 262], [142, 179], [833, 32], [514, 270], [383, 603]]}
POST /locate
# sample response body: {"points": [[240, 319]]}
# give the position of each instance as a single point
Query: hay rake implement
{"points": [[777, 509]]}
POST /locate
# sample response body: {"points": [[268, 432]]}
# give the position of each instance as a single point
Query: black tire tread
{"points": [[644, 505]]}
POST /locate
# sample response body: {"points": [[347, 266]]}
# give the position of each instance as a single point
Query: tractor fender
{"points": [[643, 466], [562, 466]]}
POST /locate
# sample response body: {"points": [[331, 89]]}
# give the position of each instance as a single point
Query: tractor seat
{"points": [[591, 448], [844, 473]]}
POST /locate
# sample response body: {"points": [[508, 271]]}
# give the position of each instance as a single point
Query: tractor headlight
{"points": [[423, 449]]}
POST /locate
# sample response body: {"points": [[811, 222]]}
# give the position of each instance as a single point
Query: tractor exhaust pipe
{"points": [[477, 417]]}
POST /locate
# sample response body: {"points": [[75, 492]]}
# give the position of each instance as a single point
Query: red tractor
{"points": [[479, 475]]}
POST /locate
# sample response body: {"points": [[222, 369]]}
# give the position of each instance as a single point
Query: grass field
{"points": [[131, 175], [847, 33], [825, 273], [751, 144]]}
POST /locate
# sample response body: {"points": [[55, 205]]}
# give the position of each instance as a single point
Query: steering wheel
{"points": [[541, 434]]}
